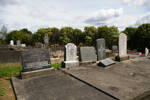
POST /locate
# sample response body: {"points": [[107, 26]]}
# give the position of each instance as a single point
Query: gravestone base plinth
{"points": [[122, 58], [25, 75], [68, 64]]}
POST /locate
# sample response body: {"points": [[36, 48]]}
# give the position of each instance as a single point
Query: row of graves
{"points": [[39, 81]]}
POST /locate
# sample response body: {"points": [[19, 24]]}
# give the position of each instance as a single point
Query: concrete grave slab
{"points": [[125, 80], [56, 86]]}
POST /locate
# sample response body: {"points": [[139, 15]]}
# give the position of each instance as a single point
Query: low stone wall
{"points": [[10, 57]]}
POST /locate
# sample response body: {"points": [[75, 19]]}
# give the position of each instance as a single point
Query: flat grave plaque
{"points": [[106, 62]]}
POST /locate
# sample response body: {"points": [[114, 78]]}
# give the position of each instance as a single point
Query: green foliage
{"points": [[23, 35], [9, 71], [90, 35], [56, 66], [138, 38], [143, 37], [66, 35], [131, 33], [3, 91], [110, 34]]}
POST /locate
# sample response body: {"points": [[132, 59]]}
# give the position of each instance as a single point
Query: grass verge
{"points": [[14, 70]]}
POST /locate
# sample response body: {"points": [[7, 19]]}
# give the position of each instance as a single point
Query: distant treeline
{"points": [[138, 38]]}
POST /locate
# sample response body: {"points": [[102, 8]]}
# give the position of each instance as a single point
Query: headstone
{"points": [[46, 40], [23, 45], [35, 59], [123, 47], [106, 62], [114, 48], [70, 56], [11, 43], [101, 54], [88, 54], [146, 51], [18, 43]]}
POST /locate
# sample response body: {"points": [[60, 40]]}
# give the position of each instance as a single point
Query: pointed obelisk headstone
{"points": [[123, 47], [101, 54], [46, 40], [70, 56]]}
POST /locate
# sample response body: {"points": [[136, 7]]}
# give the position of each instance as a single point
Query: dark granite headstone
{"points": [[106, 62], [35, 59], [100, 43], [88, 54]]}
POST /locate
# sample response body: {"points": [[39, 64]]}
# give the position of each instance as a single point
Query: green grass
{"points": [[2, 91], [9, 71], [56, 66], [14, 70]]}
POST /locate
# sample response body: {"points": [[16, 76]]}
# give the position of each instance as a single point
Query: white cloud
{"points": [[144, 19], [102, 16], [126, 1], [137, 3], [31, 15]]}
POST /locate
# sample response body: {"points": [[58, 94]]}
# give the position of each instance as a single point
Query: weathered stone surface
{"points": [[114, 48], [46, 40], [88, 54], [123, 47], [100, 43], [18, 43], [70, 56], [106, 62], [146, 51], [35, 59], [56, 86]]}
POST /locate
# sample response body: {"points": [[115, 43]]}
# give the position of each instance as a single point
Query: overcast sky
{"points": [[34, 14]]}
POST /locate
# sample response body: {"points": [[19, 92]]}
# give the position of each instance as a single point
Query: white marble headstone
{"points": [[146, 51], [12, 43], [70, 56], [122, 45], [70, 52]]}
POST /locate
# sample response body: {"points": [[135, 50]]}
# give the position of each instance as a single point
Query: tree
{"points": [[131, 33], [3, 32], [39, 35], [23, 35], [78, 36], [66, 35], [110, 34], [142, 37], [90, 35]]}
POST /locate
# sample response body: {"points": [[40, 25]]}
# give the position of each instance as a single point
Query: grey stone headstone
{"points": [[114, 48], [18, 43], [106, 62], [35, 59], [46, 40], [100, 43], [122, 45], [88, 54], [70, 55]]}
